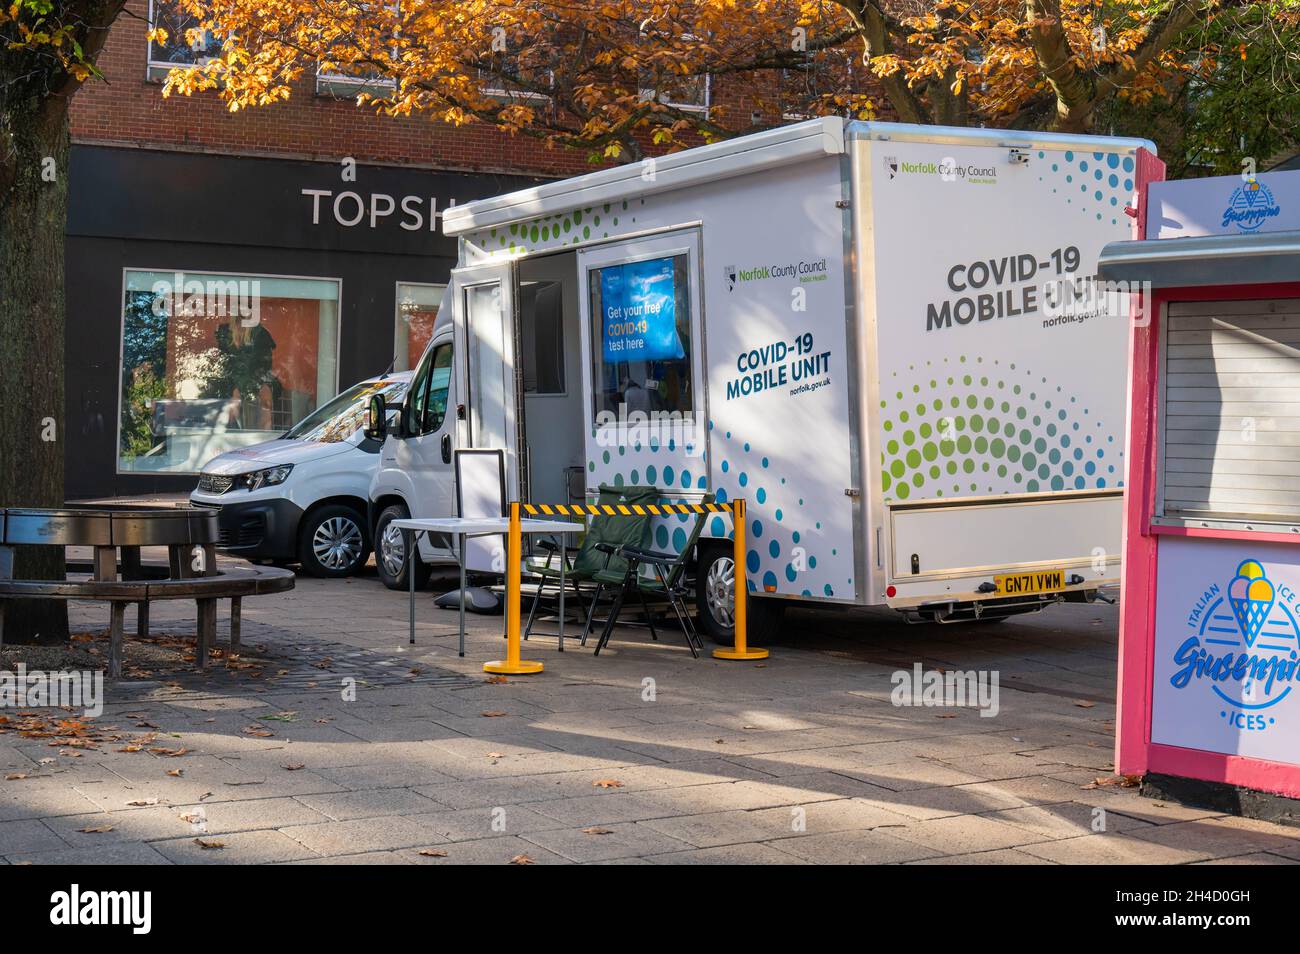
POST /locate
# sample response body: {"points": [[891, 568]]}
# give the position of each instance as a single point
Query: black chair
{"points": [[598, 552], [667, 585]]}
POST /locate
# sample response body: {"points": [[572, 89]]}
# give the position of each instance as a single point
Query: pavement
{"points": [[349, 746]]}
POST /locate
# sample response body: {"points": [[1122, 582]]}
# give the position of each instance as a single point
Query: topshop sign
{"points": [[352, 209]]}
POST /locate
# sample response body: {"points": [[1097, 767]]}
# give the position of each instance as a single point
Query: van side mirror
{"points": [[376, 418]]}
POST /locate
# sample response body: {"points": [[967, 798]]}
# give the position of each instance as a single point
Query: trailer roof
{"points": [[1204, 260], [1011, 138], [741, 156], [732, 157]]}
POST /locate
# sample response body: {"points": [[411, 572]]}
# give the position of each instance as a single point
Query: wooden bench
{"points": [[191, 572]]}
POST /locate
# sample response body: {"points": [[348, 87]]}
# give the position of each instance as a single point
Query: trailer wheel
{"points": [[716, 605], [390, 552]]}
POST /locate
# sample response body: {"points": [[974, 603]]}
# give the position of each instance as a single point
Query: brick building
{"points": [[344, 265]]}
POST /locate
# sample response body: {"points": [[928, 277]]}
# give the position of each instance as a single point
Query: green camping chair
{"points": [[666, 585], [598, 551]]}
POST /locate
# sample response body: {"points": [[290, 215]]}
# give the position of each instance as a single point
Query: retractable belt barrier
{"points": [[514, 665]]}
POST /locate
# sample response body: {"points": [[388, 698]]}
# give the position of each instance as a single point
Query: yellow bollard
{"points": [[512, 665], [741, 650]]}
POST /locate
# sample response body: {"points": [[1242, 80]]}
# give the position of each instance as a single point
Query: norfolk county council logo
{"points": [[891, 165], [1246, 650], [1251, 203], [730, 272]]}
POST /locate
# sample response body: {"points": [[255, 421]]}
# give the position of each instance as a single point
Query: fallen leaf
{"points": [[597, 830], [97, 830], [497, 680], [176, 773], [432, 853], [521, 860], [1084, 703], [1123, 781], [259, 731], [292, 766], [169, 753], [16, 777], [493, 714], [139, 802], [208, 844], [496, 755], [607, 783]]}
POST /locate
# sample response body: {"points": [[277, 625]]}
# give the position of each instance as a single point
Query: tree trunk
{"points": [[33, 218]]}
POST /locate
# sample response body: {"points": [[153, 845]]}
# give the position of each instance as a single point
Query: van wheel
{"points": [[332, 542], [390, 551], [715, 602]]}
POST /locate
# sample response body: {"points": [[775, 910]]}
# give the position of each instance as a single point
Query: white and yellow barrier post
{"points": [[512, 665], [741, 649]]}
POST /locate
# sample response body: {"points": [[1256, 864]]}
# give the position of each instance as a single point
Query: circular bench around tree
{"points": [[188, 533]]}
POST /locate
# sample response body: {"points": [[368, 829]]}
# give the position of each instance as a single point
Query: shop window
{"points": [[541, 312], [186, 45], [213, 362], [417, 310], [641, 337], [1231, 429]]}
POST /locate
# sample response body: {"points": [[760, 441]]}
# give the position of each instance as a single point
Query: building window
{"points": [[1231, 440], [350, 85], [687, 93], [417, 310], [179, 50], [213, 362], [641, 335]]}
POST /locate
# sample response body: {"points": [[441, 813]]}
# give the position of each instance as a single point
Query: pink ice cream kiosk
{"points": [[1209, 678]]}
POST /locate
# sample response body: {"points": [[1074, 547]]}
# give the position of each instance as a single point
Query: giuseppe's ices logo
{"points": [[1250, 204], [1245, 655]]}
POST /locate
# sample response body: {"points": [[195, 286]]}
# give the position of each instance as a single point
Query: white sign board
{"points": [[1224, 205], [1227, 648], [1002, 369], [481, 493]]}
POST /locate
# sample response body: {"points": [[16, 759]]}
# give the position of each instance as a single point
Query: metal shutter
{"points": [[1232, 412]]}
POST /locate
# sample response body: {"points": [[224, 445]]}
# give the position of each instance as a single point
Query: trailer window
{"points": [[641, 338], [1231, 414]]}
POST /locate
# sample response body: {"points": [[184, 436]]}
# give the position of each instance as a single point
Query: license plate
{"points": [[1041, 581]]}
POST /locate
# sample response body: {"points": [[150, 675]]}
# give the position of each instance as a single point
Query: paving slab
{"points": [[641, 755]]}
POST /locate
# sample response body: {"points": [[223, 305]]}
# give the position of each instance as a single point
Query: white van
{"points": [[301, 498], [885, 337]]}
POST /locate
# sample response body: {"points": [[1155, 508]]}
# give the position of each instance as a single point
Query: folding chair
{"points": [[668, 584], [597, 552]]}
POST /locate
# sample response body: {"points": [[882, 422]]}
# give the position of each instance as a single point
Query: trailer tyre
{"points": [[390, 551], [715, 602]]}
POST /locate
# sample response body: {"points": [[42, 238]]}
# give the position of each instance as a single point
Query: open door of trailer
{"points": [[485, 323]]}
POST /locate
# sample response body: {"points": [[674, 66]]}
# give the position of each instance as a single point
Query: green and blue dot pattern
{"points": [[970, 428], [565, 229], [1098, 184]]}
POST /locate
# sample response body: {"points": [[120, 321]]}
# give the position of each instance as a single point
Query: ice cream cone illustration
{"points": [[1251, 595]]}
